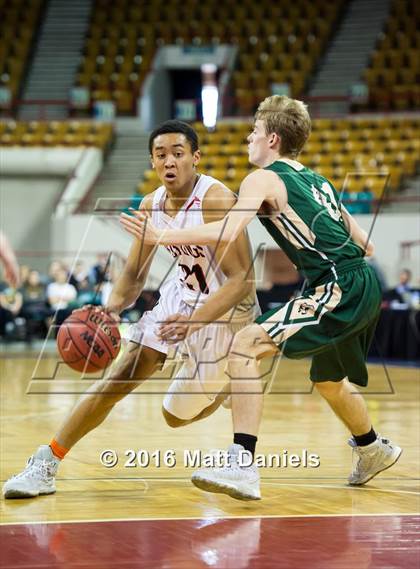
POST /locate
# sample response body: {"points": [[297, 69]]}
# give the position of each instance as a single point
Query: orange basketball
{"points": [[88, 340]]}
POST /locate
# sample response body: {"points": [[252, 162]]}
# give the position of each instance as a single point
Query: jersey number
{"points": [[199, 275], [325, 196]]}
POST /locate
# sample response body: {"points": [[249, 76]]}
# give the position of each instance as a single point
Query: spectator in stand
{"points": [[10, 307], [97, 273], [53, 269], [35, 307], [61, 294], [80, 273], [404, 286], [106, 288], [24, 271], [86, 293], [57, 266], [403, 294]]}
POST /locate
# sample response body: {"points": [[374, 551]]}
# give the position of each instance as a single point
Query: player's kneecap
{"points": [[184, 407]]}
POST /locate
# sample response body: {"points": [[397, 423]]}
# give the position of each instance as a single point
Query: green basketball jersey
{"points": [[311, 229]]}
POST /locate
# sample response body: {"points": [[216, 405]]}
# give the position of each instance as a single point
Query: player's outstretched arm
{"points": [[131, 281], [255, 188]]}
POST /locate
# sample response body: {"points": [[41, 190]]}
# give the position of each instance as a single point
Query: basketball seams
{"points": [[88, 361], [94, 330], [105, 342], [73, 345], [88, 355]]}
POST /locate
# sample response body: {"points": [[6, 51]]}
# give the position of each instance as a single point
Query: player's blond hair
{"points": [[289, 119]]}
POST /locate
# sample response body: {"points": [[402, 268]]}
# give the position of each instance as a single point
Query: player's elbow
{"points": [[370, 249]]}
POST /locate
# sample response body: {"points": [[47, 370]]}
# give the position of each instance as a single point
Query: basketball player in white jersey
{"points": [[210, 285]]}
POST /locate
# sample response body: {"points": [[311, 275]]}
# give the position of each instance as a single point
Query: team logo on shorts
{"points": [[304, 308]]}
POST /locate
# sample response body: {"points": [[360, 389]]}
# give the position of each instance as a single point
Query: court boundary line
{"points": [[212, 518], [318, 486], [278, 483], [276, 479], [186, 478], [353, 488]]}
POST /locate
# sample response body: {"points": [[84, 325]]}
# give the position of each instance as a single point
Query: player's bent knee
{"points": [[246, 339], [253, 341]]}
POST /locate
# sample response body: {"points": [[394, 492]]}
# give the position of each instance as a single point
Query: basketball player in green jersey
{"points": [[334, 318]]}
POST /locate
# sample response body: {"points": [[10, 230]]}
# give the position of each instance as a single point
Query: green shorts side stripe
{"points": [[336, 320]]}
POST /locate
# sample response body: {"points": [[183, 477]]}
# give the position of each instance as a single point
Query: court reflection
{"points": [[329, 542]]}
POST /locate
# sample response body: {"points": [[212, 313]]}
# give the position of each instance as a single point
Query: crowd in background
{"points": [[45, 299], [404, 295]]}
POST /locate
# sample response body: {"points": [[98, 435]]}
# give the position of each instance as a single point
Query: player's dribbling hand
{"points": [[140, 226], [98, 308], [175, 329], [112, 313]]}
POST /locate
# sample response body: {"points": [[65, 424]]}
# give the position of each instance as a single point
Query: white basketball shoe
{"points": [[241, 482], [37, 478], [370, 460]]}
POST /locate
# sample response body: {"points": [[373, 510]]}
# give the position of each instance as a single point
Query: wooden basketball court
{"points": [[150, 515]]}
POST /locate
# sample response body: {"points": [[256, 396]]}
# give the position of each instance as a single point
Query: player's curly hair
{"points": [[289, 119], [176, 126]]}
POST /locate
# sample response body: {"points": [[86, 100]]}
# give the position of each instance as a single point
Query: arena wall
{"points": [[26, 208]]}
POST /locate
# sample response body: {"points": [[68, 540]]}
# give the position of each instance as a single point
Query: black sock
{"points": [[247, 441], [366, 439]]}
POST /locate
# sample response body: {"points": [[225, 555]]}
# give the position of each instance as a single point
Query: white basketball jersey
{"points": [[197, 272]]}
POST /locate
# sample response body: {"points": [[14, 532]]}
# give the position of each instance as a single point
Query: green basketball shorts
{"points": [[333, 322]]}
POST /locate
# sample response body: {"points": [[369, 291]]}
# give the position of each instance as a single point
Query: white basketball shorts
{"points": [[202, 375]]}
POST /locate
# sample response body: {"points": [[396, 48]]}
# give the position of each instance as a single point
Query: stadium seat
{"points": [[275, 45], [361, 153], [394, 70], [19, 20], [56, 133]]}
